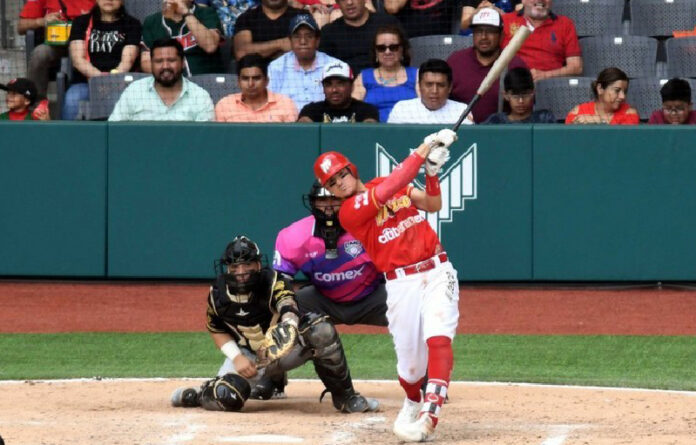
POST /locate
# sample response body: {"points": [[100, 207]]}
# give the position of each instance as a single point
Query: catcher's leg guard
{"points": [[226, 393], [270, 387], [331, 365]]}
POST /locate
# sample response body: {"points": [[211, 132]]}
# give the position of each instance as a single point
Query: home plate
{"points": [[262, 438]]}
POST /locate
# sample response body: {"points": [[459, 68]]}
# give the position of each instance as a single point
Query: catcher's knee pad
{"points": [[320, 334], [226, 393]]}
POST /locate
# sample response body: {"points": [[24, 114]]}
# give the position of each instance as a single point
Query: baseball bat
{"points": [[498, 66]]}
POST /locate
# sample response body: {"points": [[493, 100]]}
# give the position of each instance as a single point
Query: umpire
{"points": [[343, 282], [254, 321]]}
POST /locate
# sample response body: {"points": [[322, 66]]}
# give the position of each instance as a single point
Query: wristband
{"points": [[230, 349], [432, 185]]}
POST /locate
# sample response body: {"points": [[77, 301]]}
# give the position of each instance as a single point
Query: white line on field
{"points": [[558, 435], [468, 383]]}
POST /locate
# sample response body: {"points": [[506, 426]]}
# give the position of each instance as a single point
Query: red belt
{"points": [[422, 266]]}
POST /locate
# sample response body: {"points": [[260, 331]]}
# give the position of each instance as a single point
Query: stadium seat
{"points": [[104, 92], [436, 47], [560, 94], [681, 57], [635, 55], [217, 85], [661, 17], [593, 17], [142, 8], [644, 94]]}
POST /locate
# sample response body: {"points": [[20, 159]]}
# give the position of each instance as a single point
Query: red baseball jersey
{"points": [[394, 234]]}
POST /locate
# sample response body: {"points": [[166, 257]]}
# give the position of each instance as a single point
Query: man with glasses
{"points": [[350, 37], [433, 105], [676, 104], [471, 65]]}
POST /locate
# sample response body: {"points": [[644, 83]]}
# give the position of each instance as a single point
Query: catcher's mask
{"points": [[324, 206], [240, 265]]}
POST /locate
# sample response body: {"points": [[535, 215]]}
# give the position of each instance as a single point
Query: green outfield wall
{"points": [[520, 203]]}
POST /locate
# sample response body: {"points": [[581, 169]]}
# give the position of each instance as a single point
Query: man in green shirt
{"points": [[167, 95], [197, 29]]}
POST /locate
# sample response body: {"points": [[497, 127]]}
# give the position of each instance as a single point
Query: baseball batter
{"points": [[344, 283], [422, 286]]}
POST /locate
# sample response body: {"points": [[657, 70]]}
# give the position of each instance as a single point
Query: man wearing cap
{"points": [[338, 105], [255, 103], [36, 14], [297, 74], [471, 65], [264, 29], [552, 49], [21, 94]]}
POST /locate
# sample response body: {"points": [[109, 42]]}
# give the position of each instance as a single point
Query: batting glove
{"points": [[444, 138], [436, 159]]}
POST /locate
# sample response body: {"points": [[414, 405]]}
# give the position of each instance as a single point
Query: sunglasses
{"points": [[383, 48]]}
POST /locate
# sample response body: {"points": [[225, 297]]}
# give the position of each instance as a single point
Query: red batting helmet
{"points": [[330, 163]]}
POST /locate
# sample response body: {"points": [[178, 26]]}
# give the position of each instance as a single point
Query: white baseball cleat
{"points": [[422, 430], [409, 412]]}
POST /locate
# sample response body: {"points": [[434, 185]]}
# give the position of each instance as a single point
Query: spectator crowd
{"points": [[318, 61]]}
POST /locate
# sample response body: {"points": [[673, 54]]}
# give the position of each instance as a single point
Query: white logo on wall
{"points": [[457, 182]]}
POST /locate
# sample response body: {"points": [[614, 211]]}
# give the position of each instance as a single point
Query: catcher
{"points": [[254, 321]]}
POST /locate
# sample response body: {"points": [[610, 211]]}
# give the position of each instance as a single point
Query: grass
{"points": [[664, 362]]}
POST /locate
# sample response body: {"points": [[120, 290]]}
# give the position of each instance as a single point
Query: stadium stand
{"points": [[104, 92], [635, 55], [217, 85], [593, 17], [142, 8], [644, 94], [660, 17], [560, 94], [681, 57], [436, 47]]}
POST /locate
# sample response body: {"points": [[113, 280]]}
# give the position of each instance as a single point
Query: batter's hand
{"points": [[244, 367], [436, 159], [443, 138]]}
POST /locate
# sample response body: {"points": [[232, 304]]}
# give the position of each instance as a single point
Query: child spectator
{"points": [[676, 104], [21, 95], [519, 101]]}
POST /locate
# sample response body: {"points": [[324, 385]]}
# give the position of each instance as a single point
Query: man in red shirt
{"points": [[422, 286], [552, 49], [35, 15]]}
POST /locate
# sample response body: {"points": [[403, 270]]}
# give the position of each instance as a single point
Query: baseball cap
{"points": [[22, 86], [487, 17], [337, 69], [303, 19]]}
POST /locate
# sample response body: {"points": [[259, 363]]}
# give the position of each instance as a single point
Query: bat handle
{"points": [[466, 112]]}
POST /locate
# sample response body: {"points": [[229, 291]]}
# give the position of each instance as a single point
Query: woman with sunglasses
{"points": [[518, 86], [391, 79]]}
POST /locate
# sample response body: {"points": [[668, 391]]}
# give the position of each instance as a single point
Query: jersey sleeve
{"points": [[33, 9], [282, 261], [214, 322], [357, 209], [282, 293], [572, 45], [79, 28], [134, 32], [209, 18]]}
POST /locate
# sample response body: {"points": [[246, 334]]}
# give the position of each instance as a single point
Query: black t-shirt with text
{"points": [[105, 42], [352, 44], [358, 111], [428, 17]]}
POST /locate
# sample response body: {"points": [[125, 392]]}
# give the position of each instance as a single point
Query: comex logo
{"points": [[457, 182]]}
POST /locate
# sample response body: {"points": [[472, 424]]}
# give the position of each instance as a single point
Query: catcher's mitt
{"points": [[279, 340]]}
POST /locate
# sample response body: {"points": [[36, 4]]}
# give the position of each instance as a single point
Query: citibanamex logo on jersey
{"points": [[457, 181]]}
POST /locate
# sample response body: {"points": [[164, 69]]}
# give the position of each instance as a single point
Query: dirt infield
{"points": [[123, 412], [129, 413]]}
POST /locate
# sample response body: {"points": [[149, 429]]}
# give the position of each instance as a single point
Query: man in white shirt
{"points": [[433, 105], [298, 73]]}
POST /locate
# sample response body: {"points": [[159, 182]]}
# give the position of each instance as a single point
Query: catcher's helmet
{"points": [[330, 163], [241, 250]]}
